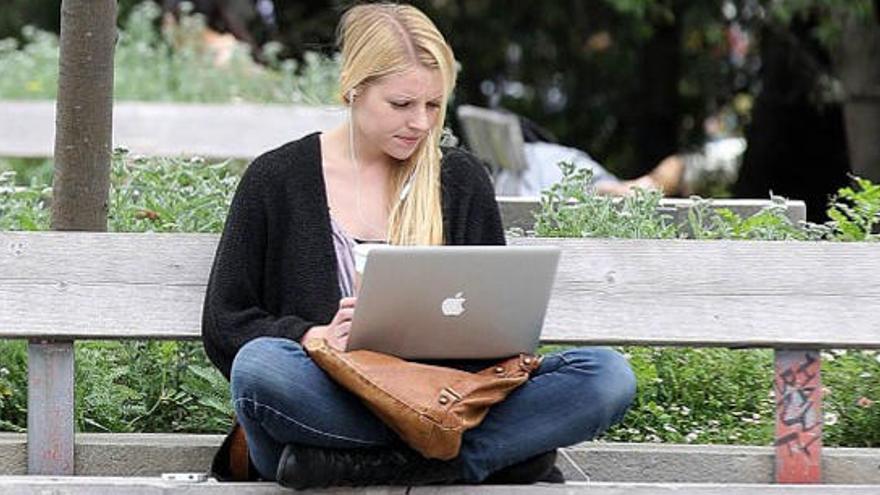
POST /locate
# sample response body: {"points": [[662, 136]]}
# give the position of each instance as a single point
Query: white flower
{"points": [[831, 418]]}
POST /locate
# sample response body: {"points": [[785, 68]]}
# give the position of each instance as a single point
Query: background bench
{"points": [[244, 130], [795, 297]]}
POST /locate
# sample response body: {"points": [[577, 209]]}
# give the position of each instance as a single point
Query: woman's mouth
{"points": [[409, 141]]}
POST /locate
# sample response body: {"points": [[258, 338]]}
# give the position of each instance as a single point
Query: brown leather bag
{"points": [[430, 407]]}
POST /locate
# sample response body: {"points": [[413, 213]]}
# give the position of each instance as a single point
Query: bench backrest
{"points": [[724, 293], [494, 137]]}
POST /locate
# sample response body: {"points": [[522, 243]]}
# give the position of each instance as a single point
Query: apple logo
{"points": [[453, 306]]}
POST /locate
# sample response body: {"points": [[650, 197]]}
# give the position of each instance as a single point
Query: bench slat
{"points": [[726, 293], [77, 485], [242, 130]]}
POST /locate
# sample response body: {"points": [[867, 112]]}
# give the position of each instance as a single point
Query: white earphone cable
{"points": [[357, 170]]}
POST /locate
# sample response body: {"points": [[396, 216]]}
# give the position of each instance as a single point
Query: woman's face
{"points": [[395, 113]]}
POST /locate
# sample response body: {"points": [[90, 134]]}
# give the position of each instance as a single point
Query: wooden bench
{"points": [[496, 137], [243, 130], [795, 297]]}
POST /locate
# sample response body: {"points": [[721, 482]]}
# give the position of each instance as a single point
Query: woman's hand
{"points": [[336, 332]]}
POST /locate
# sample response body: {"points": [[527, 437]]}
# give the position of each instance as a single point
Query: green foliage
{"points": [[852, 398], [13, 385], [855, 212], [170, 66], [169, 194], [769, 224], [571, 208], [149, 386], [22, 207], [723, 396], [699, 396]]}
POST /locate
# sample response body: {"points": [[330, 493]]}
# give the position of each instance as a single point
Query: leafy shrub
{"points": [[571, 208], [171, 66]]}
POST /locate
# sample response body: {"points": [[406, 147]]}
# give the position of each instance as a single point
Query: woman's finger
{"points": [[344, 314], [347, 302]]}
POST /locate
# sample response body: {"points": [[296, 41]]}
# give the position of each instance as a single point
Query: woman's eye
{"points": [[433, 105], [399, 104]]}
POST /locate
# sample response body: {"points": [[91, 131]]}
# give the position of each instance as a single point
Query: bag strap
{"points": [[239, 464]]}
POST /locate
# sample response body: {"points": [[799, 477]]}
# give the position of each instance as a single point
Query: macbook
{"points": [[453, 302]]}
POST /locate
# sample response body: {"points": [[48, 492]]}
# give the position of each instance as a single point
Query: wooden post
{"points": [[50, 408], [83, 139], [798, 388]]}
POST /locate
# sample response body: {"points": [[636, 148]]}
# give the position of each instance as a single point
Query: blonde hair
{"points": [[380, 39]]}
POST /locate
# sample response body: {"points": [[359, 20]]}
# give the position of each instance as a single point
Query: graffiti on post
{"points": [[798, 442]]}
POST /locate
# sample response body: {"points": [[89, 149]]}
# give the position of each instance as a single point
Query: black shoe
{"points": [[541, 467], [303, 467]]}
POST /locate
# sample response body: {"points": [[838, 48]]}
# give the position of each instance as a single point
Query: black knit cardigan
{"points": [[275, 270]]}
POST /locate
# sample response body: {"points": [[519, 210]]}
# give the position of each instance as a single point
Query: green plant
{"points": [[22, 207], [13, 385], [699, 396], [769, 224], [149, 386], [170, 194], [855, 212], [171, 66], [851, 397], [571, 208]]}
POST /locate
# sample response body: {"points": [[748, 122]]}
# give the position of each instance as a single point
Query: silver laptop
{"points": [[453, 302]]}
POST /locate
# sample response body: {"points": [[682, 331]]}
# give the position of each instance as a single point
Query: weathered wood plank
{"points": [[241, 130], [50, 421], [20, 485], [726, 293], [494, 134]]}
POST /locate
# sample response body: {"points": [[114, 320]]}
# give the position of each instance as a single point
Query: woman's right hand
{"points": [[336, 332]]}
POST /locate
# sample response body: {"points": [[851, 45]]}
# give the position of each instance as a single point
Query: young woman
{"points": [[283, 275]]}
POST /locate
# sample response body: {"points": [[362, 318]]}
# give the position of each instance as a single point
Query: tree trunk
{"points": [[857, 65], [84, 116]]}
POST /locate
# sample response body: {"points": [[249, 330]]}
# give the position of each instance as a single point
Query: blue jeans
{"points": [[281, 396]]}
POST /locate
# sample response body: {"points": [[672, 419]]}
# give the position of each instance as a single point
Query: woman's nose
{"points": [[420, 120]]}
